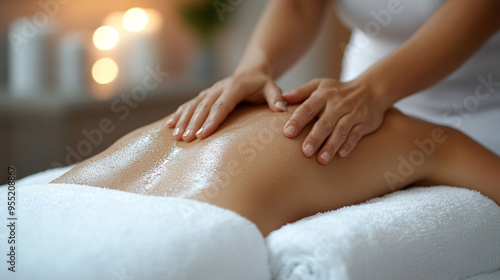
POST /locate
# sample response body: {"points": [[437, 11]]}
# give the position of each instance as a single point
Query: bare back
{"points": [[249, 167]]}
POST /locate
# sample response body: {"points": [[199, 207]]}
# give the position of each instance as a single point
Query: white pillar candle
{"points": [[73, 71], [140, 52], [139, 48], [29, 56]]}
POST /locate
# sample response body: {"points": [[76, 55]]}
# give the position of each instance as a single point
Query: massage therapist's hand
{"points": [[346, 112], [200, 117]]}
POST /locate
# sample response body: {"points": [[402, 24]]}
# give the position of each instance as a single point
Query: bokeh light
{"points": [[115, 20], [135, 19], [105, 37], [104, 71]]}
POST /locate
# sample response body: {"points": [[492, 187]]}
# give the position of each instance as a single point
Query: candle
{"points": [[28, 56], [139, 47], [139, 52], [73, 71], [129, 43]]}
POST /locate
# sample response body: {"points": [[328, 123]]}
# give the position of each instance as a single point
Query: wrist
{"points": [[256, 64], [377, 88]]}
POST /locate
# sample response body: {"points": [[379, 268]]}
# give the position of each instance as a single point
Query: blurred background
{"points": [[76, 75]]}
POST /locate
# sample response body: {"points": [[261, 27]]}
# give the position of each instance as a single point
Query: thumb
{"points": [[301, 93], [274, 97]]}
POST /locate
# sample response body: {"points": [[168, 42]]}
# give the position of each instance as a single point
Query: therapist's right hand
{"points": [[200, 117]]}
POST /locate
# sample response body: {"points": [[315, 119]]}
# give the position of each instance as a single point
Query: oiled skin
{"points": [[248, 166]]}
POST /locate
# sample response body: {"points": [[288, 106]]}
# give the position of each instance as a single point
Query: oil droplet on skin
{"points": [[149, 161], [152, 178], [116, 160], [200, 170]]}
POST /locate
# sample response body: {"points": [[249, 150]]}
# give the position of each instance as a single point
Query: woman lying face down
{"points": [[250, 167]]}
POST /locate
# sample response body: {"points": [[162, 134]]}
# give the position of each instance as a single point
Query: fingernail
{"points": [[280, 105], [187, 133], [325, 156], [177, 131], [170, 121], [343, 153], [309, 149], [290, 131], [199, 131]]}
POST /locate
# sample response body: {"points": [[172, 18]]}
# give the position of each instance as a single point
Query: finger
{"points": [[218, 113], [200, 115], [304, 114], [301, 93], [320, 131], [336, 139], [274, 98], [357, 132], [187, 112], [174, 117]]}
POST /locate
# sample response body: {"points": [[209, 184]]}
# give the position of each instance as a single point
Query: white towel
{"points": [[82, 232], [419, 233]]}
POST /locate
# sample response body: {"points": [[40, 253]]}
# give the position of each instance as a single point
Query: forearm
{"points": [[457, 30], [285, 31]]}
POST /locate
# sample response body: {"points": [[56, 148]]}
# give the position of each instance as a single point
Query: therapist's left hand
{"points": [[346, 112]]}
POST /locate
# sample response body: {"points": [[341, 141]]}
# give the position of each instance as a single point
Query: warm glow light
{"points": [[104, 70], [135, 19], [105, 37], [115, 20], [155, 21]]}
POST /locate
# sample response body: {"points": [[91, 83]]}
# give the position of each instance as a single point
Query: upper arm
{"points": [[441, 45], [459, 27]]}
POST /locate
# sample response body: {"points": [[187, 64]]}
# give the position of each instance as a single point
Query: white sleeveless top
{"points": [[468, 99]]}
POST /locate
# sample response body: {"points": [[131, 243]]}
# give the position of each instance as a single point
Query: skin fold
{"points": [[250, 167]]}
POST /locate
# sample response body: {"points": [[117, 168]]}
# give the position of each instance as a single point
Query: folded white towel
{"points": [[82, 232], [419, 233]]}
